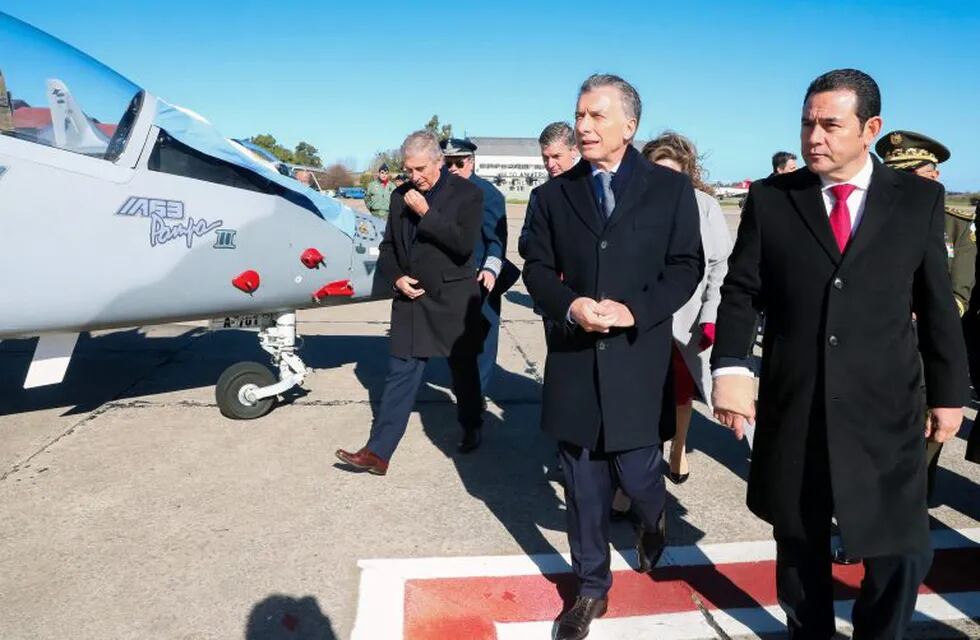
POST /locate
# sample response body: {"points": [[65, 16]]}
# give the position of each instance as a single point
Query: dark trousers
{"points": [[402, 386], [591, 477], [884, 607], [804, 580]]}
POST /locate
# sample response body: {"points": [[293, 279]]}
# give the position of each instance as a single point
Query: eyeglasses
{"points": [[455, 162]]}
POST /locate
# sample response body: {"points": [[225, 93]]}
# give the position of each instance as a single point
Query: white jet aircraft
{"points": [[118, 209]]}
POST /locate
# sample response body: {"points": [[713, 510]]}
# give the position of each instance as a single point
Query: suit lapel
{"points": [[881, 198], [808, 201], [579, 193], [405, 230], [635, 187]]}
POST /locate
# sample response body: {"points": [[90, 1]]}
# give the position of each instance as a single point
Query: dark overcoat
{"points": [[840, 353], [647, 256], [436, 249]]}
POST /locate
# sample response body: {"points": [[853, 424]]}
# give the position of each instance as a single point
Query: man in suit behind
{"points": [[426, 259], [839, 255], [496, 273], [559, 154], [614, 250]]}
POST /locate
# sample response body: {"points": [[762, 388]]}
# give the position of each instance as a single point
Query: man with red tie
{"points": [[838, 256]]}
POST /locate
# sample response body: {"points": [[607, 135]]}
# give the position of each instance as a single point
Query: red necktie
{"points": [[840, 215]]}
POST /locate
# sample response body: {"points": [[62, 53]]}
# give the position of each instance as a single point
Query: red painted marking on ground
{"points": [[468, 607]]}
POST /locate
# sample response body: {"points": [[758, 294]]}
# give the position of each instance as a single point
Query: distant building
{"points": [[513, 165]]}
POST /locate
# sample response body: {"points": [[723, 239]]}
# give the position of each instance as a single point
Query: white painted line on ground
{"points": [[689, 625], [734, 622], [381, 599], [684, 556], [380, 606]]}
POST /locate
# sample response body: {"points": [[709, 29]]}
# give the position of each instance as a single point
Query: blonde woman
{"points": [[694, 323]]}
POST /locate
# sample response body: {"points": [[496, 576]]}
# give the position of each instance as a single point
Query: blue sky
{"points": [[354, 78]]}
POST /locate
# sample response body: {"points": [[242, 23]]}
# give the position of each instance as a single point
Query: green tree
{"points": [[444, 131], [391, 157], [307, 155], [268, 142]]}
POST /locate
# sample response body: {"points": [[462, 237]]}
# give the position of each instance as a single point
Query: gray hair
{"points": [[631, 99], [557, 132], [421, 141]]}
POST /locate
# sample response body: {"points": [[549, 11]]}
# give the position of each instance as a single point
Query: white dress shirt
{"points": [[596, 170], [855, 205]]}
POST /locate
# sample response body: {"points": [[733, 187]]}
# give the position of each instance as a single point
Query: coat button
{"points": [[833, 341], [602, 346], [838, 283], [603, 244]]}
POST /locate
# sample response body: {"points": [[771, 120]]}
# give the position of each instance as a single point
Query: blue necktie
{"points": [[607, 198]]}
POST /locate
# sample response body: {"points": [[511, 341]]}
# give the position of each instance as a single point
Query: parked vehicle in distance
{"points": [[354, 193]]}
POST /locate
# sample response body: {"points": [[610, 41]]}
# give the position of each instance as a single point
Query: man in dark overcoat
{"points": [[426, 261], [613, 251], [839, 256]]}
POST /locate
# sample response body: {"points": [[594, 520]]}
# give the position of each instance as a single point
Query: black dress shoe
{"points": [[678, 478], [471, 440], [650, 545], [574, 623]]}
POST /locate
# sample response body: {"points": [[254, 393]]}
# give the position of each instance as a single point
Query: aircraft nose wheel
{"points": [[233, 390]]}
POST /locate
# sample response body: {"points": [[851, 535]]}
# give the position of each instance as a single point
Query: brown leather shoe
{"points": [[363, 460], [574, 624]]}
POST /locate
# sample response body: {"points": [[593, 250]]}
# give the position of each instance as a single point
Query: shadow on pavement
{"points": [[128, 364], [281, 617], [717, 442], [509, 472], [519, 298], [103, 368]]}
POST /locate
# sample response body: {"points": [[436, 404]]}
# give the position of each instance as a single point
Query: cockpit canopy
{"points": [[55, 95]]}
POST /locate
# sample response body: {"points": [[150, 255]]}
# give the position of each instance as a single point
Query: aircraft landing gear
{"points": [[248, 390]]}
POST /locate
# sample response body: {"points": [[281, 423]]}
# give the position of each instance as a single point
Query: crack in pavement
{"points": [[107, 406], [90, 417], [710, 619], [197, 404], [530, 368]]}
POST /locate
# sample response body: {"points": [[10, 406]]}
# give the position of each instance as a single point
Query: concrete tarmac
{"points": [[133, 509]]}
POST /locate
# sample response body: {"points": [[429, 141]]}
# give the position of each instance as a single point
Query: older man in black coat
{"points": [[426, 260], [839, 256], [614, 250]]}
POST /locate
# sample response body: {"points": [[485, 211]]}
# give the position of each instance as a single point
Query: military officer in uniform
{"points": [[378, 196], [495, 273], [921, 155]]}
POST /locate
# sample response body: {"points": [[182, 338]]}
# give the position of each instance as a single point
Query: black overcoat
{"points": [[840, 353], [647, 256], [436, 249]]}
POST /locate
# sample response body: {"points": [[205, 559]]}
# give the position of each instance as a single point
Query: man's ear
{"points": [[872, 128], [629, 129]]}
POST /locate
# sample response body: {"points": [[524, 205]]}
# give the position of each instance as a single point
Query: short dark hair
{"points": [[863, 86], [557, 132], [780, 158]]}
